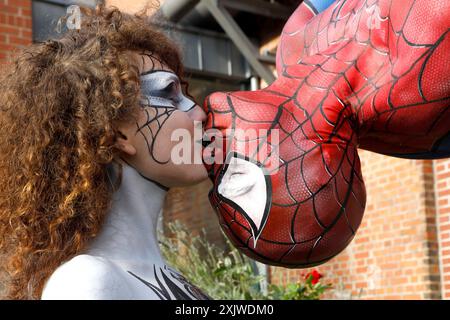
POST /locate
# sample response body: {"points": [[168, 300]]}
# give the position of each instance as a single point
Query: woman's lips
{"points": [[205, 143]]}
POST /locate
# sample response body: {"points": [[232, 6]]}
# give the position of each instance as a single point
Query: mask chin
{"points": [[244, 186]]}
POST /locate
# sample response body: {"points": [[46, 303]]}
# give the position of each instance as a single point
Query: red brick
{"points": [[3, 18], [25, 12], [19, 3], [9, 30], [7, 47], [28, 23], [25, 33], [9, 9], [19, 41], [443, 176], [444, 193]]}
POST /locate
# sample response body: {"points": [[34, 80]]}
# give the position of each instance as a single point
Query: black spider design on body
{"points": [[166, 286]]}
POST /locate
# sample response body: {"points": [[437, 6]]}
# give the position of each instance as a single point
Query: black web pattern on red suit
{"points": [[371, 74], [296, 192], [400, 58]]}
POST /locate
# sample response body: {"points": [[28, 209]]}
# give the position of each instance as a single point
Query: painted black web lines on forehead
{"points": [[156, 63]]}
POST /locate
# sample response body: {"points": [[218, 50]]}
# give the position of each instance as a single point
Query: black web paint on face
{"points": [[156, 62], [162, 114], [162, 94]]}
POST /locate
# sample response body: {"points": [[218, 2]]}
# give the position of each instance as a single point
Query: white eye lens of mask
{"points": [[162, 89], [244, 184]]}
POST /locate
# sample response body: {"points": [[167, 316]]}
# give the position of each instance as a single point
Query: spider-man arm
{"points": [[290, 51], [385, 59], [404, 110]]}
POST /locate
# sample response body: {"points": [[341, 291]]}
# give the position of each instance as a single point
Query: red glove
{"points": [[368, 74]]}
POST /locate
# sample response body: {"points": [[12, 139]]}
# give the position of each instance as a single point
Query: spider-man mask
{"points": [[369, 74]]}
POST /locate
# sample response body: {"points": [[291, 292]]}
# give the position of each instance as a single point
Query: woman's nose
{"points": [[197, 114]]}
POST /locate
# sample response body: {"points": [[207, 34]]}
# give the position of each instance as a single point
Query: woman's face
{"points": [[164, 144]]}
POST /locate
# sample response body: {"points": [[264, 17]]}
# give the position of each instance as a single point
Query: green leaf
{"points": [[225, 273]]}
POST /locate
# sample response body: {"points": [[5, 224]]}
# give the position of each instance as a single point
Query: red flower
{"points": [[315, 276]]}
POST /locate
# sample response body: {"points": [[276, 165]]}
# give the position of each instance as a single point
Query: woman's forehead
{"points": [[148, 61], [151, 62]]}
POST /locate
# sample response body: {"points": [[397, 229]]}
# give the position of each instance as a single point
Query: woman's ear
{"points": [[124, 143]]}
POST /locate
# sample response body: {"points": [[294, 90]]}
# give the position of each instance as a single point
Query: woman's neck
{"points": [[129, 234]]}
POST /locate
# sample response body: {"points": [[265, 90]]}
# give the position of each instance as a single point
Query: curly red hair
{"points": [[60, 102]]}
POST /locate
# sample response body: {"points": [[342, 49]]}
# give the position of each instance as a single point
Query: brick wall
{"points": [[442, 172], [15, 27], [395, 252], [190, 205]]}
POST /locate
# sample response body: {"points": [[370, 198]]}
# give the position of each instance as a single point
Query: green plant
{"points": [[221, 274], [227, 273], [310, 289]]}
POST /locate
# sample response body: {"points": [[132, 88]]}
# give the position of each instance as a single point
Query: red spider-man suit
{"points": [[370, 74]]}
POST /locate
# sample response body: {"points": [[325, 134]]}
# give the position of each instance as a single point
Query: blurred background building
{"points": [[402, 249]]}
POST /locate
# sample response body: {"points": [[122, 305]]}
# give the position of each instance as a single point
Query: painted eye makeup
{"points": [[170, 90], [163, 89]]}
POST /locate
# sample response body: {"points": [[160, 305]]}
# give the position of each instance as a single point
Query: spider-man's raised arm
{"points": [[385, 59], [296, 37]]}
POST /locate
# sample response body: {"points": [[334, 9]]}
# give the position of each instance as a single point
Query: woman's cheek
{"points": [[177, 132], [163, 144], [174, 146]]}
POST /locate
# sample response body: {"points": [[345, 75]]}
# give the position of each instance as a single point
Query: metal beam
{"points": [[259, 7], [248, 50], [267, 59], [176, 10]]}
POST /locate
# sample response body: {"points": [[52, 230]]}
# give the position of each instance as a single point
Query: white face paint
{"points": [[245, 185], [163, 89]]}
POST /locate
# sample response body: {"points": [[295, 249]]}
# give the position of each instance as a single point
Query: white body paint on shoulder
{"points": [[124, 261]]}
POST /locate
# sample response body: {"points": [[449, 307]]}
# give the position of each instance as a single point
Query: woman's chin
{"points": [[186, 175], [194, 174]]}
